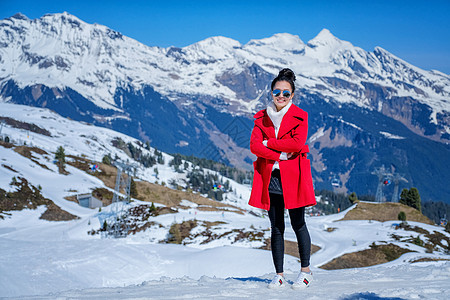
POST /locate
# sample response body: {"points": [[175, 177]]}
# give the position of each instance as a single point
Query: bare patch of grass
{"points": [[434, 239], [9, 168], [71, 198], [160, 194], [427, 259], [26, 126], [213, 224], [27, 152], [107, 174], [290, 248], [156, 193], [78, 162], [383, 212], [239, 235], [178, 232], [55, 213], [6, 145], [28, 196], [103, 195], [377, 254], [181, 233], [138, 217]]}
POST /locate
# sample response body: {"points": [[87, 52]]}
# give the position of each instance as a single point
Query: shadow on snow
{"points": [[368, 296]]}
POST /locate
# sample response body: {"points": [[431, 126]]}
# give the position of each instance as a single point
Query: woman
{"points": [[282, 174]]}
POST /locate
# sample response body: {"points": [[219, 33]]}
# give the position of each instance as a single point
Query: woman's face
{"points": [[282, 87]]}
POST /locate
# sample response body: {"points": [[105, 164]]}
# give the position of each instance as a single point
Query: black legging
{"points": [[297, 216]]}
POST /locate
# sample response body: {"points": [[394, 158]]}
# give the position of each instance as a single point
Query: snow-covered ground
{"points": [[377, 283], [59, 260]]}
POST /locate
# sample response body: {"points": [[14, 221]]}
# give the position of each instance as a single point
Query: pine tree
{"points": [[353, 198], [418, 241], [415, 196], [160, 159], [411, 198], [60, 157], [106, 160], [174, 234], [133, 189], [402, 216]]}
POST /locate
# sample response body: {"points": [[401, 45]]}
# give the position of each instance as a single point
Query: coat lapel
{"points": [[291, 119], [263, 121]]}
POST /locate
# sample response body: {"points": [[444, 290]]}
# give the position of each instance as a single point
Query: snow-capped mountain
{"points": [[61, 51], [199, 99]]}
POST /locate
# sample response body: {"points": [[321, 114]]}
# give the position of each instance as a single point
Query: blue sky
{"points": [[416, 31]]}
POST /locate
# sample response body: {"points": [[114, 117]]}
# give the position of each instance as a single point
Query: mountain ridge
{"points": [[64, 21]]}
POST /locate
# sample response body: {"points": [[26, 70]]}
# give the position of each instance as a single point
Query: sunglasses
{"points": [[277, 93]]}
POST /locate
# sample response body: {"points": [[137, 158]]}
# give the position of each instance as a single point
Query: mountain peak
{"points": [[214, 43], [63, 17], [324, 38], [325, 34], [381, 51], [20, 16], [221, 40], [283, 40]]}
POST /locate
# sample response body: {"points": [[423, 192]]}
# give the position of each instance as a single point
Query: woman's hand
{"points": [[286, 156]]}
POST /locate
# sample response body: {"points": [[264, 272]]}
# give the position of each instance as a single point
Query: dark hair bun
{"points": [[287, 73]]}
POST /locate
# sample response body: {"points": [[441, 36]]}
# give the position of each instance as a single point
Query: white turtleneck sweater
{"points": [[277, 117]]}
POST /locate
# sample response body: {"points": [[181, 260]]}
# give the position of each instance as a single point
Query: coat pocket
{"points": [[306, 183]]}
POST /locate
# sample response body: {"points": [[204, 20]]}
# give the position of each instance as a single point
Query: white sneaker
{"points": [[277, 282], [303, 281]]}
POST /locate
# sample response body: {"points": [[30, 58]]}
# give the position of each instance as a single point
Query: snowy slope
{"points": [[138, 268], [50, 258], [78, 139]]}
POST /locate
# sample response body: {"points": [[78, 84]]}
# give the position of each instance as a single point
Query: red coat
{"points": [[295, 172]]}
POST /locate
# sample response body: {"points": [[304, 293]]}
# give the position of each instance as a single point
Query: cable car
{"points": [[336, 182], [443, 221]]}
